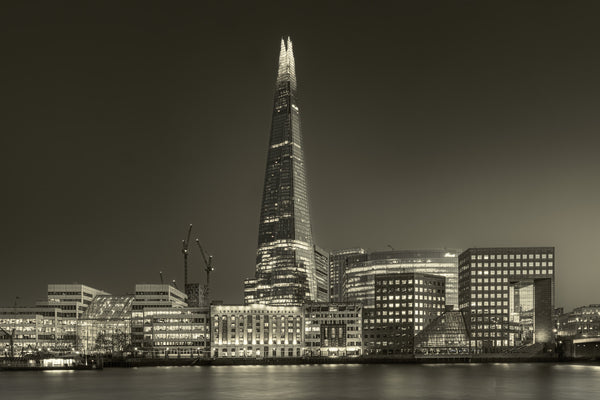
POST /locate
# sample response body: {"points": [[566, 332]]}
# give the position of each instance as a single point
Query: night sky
{"points": [[426, 124]]}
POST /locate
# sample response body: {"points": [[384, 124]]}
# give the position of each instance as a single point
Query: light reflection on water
{"points": [[399, 381]]}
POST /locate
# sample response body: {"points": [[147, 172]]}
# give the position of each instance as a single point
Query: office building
{"points": [[405, 304], [285, 261], [333, 329], [495, 298], [360, 277], [257, 331], [339, 261]]}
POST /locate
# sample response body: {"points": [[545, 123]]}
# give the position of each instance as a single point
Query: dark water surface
{"points": [[399, 381]]}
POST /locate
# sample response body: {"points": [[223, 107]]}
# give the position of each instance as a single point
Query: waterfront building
{"points": [[445, 335], [339, 261], [491, 296], [257, 331], [405, 303], [35, 329], [285, 261], [151, 296], [177, 332], [105, 327], [360, 277], [333, 329], [582, 322]]}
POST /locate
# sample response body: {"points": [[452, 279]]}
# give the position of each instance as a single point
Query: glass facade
{"points": [[447, 334], [359, 280], [285, 261], [339, 261]]}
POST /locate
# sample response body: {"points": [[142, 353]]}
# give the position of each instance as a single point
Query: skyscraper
{"points": [[285, 259]]}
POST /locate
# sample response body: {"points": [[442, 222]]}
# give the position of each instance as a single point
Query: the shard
{"points": [[285, 259]]}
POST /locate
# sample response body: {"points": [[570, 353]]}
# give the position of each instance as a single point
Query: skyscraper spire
{"points": [[285, 259]]}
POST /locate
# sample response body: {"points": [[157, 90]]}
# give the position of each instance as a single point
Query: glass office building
{"points": [[285, 260]]}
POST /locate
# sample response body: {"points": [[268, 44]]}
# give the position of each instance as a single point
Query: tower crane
{"points": [[207, 268], [184, 251]]}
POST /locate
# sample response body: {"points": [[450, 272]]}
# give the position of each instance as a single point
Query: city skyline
{"points": [[443, 126]]}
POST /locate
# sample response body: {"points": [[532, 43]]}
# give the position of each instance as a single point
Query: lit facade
{"points": [[333, 329], [285, 261], [257, 331], [339, 261], [359, 282], [405, 304], [177, 332], [581, 322], [73, 298], [322, 273], [151, 296], [490, 296], [36, 329], [105, 327]]}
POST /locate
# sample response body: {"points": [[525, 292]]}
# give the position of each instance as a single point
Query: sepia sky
{"points": [[426, 124]]}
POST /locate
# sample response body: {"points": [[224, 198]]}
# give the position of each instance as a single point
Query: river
{"points": [[390, 381]]}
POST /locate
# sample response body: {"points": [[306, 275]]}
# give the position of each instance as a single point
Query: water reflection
{"points": [[405, 381]]}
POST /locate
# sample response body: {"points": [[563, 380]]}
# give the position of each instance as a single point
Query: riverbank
{"points": [[471, 359]]}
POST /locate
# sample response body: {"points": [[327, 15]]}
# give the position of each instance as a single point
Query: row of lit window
{"points": [[510, 256], [409, 305]]}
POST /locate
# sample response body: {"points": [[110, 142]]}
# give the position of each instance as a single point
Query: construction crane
{"points": [[207, 268], [184, 250]]}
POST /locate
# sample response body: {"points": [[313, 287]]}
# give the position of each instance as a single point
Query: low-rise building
{"points": [[256, 331], [177, 332], [333, 329]]}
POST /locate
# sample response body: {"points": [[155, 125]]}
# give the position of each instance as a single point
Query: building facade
{"points": [[147, 297], [339, 261], [177, 332], [582, 322], [257, 331], [405, 304], [360, 277], [491, 296], [333, 329], [285, 261]]}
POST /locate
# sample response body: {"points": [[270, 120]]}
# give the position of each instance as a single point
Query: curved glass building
{"points": [[359, 280]]}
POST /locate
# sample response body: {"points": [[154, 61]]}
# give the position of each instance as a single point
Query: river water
{"points": [[396, 381]]}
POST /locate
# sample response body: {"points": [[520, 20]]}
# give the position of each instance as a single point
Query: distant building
{"points": [[405, 303], [582, 322], [333, 329], [339, 261], [257, 331], [360, 277], [493, 298]]}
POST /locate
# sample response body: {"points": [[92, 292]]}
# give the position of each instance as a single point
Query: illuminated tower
{"points": [[285, 259]]}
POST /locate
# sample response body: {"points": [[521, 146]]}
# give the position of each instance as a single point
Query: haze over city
{"points": [[425, 125]]}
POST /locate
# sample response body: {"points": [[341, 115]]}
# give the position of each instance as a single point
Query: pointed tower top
{"points": [[287, 67]]}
